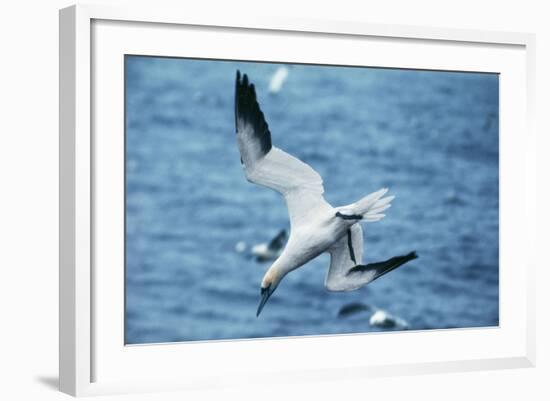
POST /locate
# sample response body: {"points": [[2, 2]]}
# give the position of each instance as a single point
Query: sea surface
{"points": [[430, 136]]}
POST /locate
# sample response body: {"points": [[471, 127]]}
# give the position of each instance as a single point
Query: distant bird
{"points": [[379, 318], [264, 251], [269, 251], [278, 79], [385, 320], [316, 226], [353, 308]]}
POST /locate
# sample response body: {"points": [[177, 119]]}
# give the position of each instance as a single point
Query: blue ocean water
{"points": [[430, 136]]}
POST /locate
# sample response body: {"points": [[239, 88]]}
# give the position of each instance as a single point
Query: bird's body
{"points": [[309, 240], [316, 226], [313, 237]]}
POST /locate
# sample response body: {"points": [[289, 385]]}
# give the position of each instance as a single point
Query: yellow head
{"points": [[271, 280]]}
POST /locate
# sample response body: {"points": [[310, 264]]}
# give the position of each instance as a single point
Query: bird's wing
{"points": [[269, 166], [345, 254], [346, 271]]}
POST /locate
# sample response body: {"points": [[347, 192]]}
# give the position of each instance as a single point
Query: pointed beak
{"points": [[264, 296]]}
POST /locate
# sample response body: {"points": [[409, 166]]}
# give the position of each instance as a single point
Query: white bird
{"points": [[315, 226], [278, 79], [270, 250], [378, 318], [385, 320], [264, 251]]}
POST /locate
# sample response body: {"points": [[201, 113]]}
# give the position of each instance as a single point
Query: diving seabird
{"points": [[315, 226]]}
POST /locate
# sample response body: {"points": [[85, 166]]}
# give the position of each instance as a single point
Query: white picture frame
{"points": [[92, 355]]}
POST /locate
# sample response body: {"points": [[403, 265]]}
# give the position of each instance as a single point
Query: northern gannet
{"points": [[315, 226], [353, 308], [378, 318], [385, 320], [270, 250], [264, 251]]}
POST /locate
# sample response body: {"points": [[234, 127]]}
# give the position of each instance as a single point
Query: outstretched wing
{"points": [[346, 271], [269, 166]]}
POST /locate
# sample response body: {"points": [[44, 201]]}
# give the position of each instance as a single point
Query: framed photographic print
{"points": [[234, 191]]}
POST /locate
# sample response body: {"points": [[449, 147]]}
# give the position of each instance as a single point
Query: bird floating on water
{"points": [[270, 250], [379, 318], [316, 227], [386, 320], [264, 251], [353, 308]]}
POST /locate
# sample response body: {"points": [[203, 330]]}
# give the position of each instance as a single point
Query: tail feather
{"points": [[381, 205], [372, 205], [374, 217]]}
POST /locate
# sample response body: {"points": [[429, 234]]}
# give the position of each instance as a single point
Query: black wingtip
{"points": [[248, 110], [237, 84], [381, 268]]}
